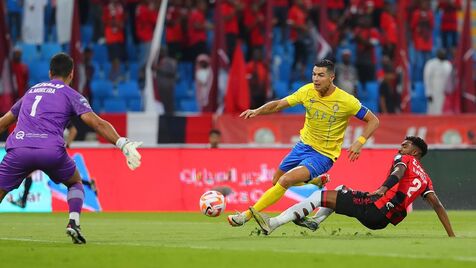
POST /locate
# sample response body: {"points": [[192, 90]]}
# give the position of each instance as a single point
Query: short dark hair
{"points": [[418, 142], [61, 65], [326, 63], [214, 131]]}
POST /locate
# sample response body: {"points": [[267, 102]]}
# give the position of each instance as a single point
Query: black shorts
{"points": [[358, 205]]}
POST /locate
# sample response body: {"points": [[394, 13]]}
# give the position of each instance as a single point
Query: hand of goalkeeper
{"points": [[129, 149]]}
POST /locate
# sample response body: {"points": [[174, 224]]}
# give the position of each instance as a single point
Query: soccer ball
{"points": [[212, 203]]}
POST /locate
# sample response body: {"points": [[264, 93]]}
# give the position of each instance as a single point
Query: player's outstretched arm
{"points": [[105, 129], [372, 125], [440, 210], [267, 108], [6, 121]]}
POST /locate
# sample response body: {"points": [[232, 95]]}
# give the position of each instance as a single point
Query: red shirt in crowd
{"points": [[422, 24], [113, 17], [146, 17], [254, 21], [20, 71], [388, 25], [370, 34], [449, 20], [231, 26], [281, 3], [298, 17], [196, 35]]}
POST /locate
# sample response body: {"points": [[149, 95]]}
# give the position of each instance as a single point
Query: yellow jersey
{"points": [[326, 118]]}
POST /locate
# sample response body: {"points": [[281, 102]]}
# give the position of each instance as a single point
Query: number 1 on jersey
{"points": [[35, 105]]}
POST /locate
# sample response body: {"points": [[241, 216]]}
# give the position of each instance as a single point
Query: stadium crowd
{"points": [[361, 36]]}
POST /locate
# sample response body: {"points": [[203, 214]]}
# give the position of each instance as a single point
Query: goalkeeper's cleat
{"points": [[307, 222], [321, 180], [74, 231], [262, 220], [238, 219]]}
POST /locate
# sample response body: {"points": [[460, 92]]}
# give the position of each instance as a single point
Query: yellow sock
{"points": [[271, 196]]}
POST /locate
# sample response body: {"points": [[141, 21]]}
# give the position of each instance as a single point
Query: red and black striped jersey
{"points": [[415, 182]]}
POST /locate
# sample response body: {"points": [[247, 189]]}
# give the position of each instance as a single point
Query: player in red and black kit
{"points": [[388, 204]]}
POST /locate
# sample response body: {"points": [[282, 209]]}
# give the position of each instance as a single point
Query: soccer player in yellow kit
{"points": [[328, 110]]}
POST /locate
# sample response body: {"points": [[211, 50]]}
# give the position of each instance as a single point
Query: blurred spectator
{"points": [[21, 72], [114, 18], [437, 73], [280, 10], [255, 26], [449, 22], [229, 13], [116, 75], [197, 31], [366, 37], [388, 26], [389, 96], [174, 30], [146, 17], [96, 10], [336, 8], [131, 7], [203, 79], [346, 74], [422, 24], [256, 75], [86, 73], [33, 30], [15, 10], [166, 79], [299, 34], [214, 138]]}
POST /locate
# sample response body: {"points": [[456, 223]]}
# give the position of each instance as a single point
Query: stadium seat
{"points": [[418, 100], [101, 89], [48, 50], [133, 71], [29, 52], [100, 53], [298, 109], [128, 90], [297, 84], [114, 105], [188, 105], [97, 104], [280, 89], [135, 105], [183, 90], [369, 95], [39, 71], [86, 34]]}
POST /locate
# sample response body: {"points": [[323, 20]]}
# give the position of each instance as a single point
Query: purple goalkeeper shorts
{"points": [[18, 163]]}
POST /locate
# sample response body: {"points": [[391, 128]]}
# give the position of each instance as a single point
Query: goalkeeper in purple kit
{"points": [[37, 141]]}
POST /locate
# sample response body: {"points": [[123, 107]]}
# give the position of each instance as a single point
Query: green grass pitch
{"points": [[194, 240]]}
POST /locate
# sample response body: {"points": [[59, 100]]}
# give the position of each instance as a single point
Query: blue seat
{"points": [[128, 90], [369, 95], [100, 53], [113, 105], [39, 71], [418, 100], [133, 71], [102, 89], [296, 85], [188, 105], [97, 104], [48, 50], [86, 34], [285, 70], [183, 90], [29, 52], [298, 109], [135, 105], [280, 89]]}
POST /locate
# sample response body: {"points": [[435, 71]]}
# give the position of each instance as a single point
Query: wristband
{"points": [[362, 140], [391, 181], [121, 142]]}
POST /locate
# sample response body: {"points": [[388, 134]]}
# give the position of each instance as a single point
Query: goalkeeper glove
{"points": [[129, 149]]}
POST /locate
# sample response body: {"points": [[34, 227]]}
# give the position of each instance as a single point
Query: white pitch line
{"points": [[391, 255]]}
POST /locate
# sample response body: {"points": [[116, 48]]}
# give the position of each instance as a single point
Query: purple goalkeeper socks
{"points": [[75, 197]]}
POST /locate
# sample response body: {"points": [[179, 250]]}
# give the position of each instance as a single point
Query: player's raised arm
{"points": [[372, 124], [267, 108], [440, 210], [6, 120], [394, 177], [105, 129]]}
